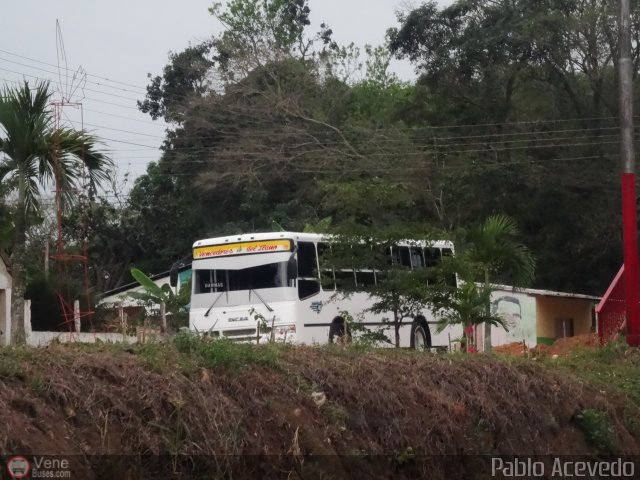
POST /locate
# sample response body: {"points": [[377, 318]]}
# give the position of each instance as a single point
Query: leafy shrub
{"points": [[597, 430]]}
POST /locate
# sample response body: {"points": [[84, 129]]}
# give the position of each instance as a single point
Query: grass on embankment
{"points": [[614, 368]]}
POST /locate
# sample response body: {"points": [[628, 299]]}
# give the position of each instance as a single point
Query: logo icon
{"points": [[316, 307], [18, 467]]}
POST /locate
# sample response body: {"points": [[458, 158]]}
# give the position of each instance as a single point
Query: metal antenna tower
{"points": [[69, 85]]}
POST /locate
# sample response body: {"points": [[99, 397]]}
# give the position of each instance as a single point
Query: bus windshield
{"points": [[270, 275]]}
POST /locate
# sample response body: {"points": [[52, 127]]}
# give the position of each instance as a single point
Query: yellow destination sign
{"points": [[242, 248]]}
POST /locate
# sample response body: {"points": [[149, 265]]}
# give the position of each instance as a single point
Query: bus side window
{"points": [[345, 280], [451, 279], [401, 256], [307, 261], [361, 256], [417, 260], [365, 278], [432, 256], [384, 258], [395, 256], [432, 259], [327, 278], [308, 280]]}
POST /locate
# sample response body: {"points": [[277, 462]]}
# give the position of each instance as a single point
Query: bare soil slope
{"points": [[294, 412]]}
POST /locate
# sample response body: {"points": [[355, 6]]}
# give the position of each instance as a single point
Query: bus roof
{"points": [[297, 236]]}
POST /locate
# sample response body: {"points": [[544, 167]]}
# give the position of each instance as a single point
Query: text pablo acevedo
{"points": [[562, 468]]}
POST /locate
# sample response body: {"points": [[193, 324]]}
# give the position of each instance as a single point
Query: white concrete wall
{"points": [[37, 339], [44, 338], [5, 304], [518, 310]]}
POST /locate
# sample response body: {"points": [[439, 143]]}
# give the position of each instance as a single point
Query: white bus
{"points": [[274, 279]]}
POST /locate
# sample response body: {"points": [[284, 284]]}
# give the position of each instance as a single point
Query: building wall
{"points": [[532, 316], [518, 311], [551, 309]]}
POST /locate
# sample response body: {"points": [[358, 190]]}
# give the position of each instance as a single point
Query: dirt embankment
{"points": [[312, 414], [561, 347]]}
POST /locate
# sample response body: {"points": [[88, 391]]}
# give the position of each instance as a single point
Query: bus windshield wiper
{"points": [[206, 314], [261, 299]]}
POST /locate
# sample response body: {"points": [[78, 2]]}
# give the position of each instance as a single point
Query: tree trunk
{"points": [[467, 339], [396, 325], [18, 276], [487, 325], [163, 318]]}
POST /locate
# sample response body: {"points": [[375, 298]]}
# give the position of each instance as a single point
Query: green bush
{"points": [[225, 353], [597, 430]]}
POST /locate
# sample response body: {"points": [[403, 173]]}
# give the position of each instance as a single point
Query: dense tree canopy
{"points": [[513, 112]]}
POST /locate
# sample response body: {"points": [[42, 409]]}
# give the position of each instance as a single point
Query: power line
{"points": [[85, 98], [51, 81], [368, 129], [430, 151], [73, 70], [378, 130], [383, 169], [355, 128], [544, 137], [57, 73], [149, 122]]}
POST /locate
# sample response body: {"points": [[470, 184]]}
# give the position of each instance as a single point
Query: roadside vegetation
{"points": [[615, 367]]}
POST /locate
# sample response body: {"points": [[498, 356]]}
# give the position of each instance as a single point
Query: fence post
{"points": [[76, 315], [27, 320]]}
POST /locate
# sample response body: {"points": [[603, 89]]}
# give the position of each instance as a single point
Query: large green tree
{"points": [[521, 114], [264, 125], [34, 152]]}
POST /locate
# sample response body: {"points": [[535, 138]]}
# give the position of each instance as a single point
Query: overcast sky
{"points": [[118, 42]]}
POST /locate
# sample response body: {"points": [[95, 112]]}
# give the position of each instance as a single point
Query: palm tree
{"points": [[492, 253], [468, 307], [30, 148]]}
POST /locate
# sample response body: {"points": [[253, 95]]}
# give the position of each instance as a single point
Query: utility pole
{"points": [[629, 218], [46, 259]]}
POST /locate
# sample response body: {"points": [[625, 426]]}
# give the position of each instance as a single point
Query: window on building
{"points": [[564, 327]]}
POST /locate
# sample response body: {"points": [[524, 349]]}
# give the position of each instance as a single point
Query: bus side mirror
{"points": [[173, 275]]}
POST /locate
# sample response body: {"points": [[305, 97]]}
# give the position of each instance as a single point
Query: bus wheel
{"points": [[336, 331], [420, 335]]}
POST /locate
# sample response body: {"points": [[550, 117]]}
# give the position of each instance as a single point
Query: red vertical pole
{"points": [[630, 244], [627, 154]]}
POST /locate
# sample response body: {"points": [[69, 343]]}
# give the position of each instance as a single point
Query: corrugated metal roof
{"points": [[544, 293]]}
